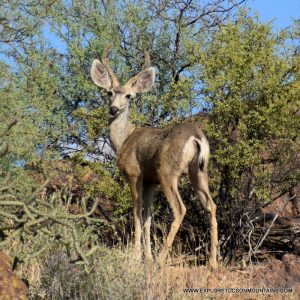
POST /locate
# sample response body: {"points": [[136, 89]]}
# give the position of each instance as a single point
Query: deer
{"points": [[148, 156]]}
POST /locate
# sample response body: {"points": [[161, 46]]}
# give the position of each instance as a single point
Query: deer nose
{"points": [[113, 110]]}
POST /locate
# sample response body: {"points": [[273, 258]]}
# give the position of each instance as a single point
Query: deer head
{"points": [[103, 76]]}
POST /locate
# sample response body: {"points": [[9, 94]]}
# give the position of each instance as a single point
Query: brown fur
{"points": [[147, 151]]}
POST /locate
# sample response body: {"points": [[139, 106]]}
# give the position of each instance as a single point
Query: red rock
{"points": [[11, 286]]}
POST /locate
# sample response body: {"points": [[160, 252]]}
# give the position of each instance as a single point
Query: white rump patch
{"points": [[190, 150], [188, 153]]}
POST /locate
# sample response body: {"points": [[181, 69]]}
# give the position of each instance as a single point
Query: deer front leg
{"points": [[136, 192], [148, 197]]}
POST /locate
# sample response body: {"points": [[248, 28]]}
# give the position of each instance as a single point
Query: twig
{"points": [[266, 234]]}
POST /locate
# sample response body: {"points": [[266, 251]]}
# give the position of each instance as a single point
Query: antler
{"points": [[105, 62], [147, 59], [146, 65]]}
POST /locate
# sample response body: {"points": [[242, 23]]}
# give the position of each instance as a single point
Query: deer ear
{"points": [[143, 82], [99, 75]]}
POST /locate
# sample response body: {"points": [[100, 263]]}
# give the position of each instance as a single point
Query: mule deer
{"points": [[149, 156]]}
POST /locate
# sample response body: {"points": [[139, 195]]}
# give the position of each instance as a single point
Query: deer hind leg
{"points": [[136, 192], [148, 198], [199, 180], [179, 211]]}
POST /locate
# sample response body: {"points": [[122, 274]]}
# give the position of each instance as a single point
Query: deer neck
{"points": [[119, 129]]}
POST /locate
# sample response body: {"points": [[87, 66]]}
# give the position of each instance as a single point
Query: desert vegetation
{"points": [[65, 209]]}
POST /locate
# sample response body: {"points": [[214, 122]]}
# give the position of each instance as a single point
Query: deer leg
{"points": [[179, 211], [148, 198], [136, 192], [199, 180]]}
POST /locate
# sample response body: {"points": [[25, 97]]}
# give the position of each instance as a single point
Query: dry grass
{"points": [[117, 274]]}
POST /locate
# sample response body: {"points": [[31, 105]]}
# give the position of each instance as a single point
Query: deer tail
{"points": [[203, 155]]}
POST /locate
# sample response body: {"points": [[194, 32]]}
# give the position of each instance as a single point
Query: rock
{"points": [[280, 273], [285, 205], [273, 275], [11, 286], [292, 266]]}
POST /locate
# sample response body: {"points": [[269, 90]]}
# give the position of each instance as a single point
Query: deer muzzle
{"points": [[113, 110]]}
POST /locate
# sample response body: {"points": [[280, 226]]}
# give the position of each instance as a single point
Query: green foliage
{"points": [[104, 185], [252, 90], [21, 20]]}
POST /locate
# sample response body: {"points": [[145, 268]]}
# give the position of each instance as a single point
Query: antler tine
{"points": [[106, 50], [146, 65], [147, 59], [105, 62]]}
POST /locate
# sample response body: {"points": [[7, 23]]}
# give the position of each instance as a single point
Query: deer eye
{"points": [[128, 96], [109, 93]]}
